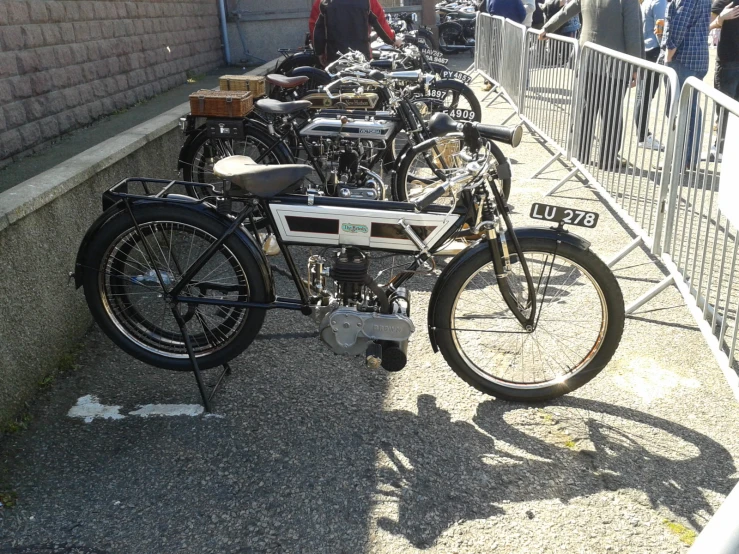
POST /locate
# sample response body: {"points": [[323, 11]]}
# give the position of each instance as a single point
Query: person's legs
{"points": [[588, 117], [612, 112], [647, 89], [726, 80], [695, 117]]}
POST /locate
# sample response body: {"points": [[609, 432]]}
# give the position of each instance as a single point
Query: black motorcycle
{"points": [[181, 283], [456, 27]]}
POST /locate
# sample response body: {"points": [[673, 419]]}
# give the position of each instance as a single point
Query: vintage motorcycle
{"points": [[182, 283], [353, 152], [456, 27]]}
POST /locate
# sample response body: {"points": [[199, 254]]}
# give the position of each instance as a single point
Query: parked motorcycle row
{"points": [[353, 122], [359, 161]]}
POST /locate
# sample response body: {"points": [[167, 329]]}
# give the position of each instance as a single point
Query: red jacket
{"points": [[375, 8]]}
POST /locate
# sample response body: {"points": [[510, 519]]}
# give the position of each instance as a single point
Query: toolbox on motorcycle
{"points": [[255, 84], [225, 128], [221, 103]]}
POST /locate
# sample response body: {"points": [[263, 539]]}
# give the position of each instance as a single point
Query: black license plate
{"points": [[225, 129], [570, 216], [434, 56], [460, 113], [457, 76]]}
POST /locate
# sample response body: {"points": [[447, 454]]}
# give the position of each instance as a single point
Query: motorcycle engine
{"points": [[358, 317]]}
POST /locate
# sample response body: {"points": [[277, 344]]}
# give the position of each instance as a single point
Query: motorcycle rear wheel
{"points": [[126, 299]]}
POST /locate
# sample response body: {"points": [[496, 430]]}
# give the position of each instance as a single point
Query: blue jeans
{"points": [[696, 117]]}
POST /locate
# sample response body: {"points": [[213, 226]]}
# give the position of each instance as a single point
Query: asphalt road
{"points": [[312, 452]]}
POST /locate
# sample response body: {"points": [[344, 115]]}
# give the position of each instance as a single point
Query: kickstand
{"points": [[202, 386]]}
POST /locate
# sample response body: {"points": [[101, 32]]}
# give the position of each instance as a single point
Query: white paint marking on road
{"points": [[89, 408], [168, 410], [651, 382]]}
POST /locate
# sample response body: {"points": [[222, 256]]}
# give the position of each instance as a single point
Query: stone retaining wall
{"points": [[64, 64]]}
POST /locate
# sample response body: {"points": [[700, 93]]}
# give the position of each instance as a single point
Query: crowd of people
{"points": [[670, 32]]}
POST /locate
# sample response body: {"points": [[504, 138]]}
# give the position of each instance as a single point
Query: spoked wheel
{"points": [[460, 102], [204, 152], [421, 172], [123, 288], [579, 324]]}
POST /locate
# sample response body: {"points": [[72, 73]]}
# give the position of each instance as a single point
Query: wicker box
{"points": [[221, 103], [253, 83]]}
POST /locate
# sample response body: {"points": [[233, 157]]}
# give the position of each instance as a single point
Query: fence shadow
{"points": [[441, 471]]}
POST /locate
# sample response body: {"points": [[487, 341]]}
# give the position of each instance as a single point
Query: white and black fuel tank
{"points": [[367, 129]]}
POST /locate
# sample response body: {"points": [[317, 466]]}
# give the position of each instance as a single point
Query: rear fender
{"points": [[204, 208], [468, 253], [318, 76]]}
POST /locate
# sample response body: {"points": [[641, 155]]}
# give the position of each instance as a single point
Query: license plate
{"points": [[433, 95], [435, 56], [456, 75], [225, 129], [460, 113], [557, 214]]}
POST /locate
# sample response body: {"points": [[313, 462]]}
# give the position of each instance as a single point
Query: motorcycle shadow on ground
{"points": [[440, 472]]}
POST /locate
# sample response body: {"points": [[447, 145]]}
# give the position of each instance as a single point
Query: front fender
{"points": [[191, 203], [468, 253]]}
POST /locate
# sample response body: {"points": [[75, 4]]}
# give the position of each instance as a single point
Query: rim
{"points": [[213, 150], [420, 174], [571, 328], [458, 106], [135, 302]]}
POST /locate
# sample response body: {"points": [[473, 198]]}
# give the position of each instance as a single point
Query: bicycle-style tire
{"points": [[125, 296], [456, 91], [198, 165], [401, 185], [580, 321]]}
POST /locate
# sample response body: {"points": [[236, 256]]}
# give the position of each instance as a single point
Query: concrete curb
{"points": [[30, 195], [42, 222]]}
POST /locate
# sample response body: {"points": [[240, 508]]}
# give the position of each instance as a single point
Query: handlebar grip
{"points": [[430, 198], [500, 133]]}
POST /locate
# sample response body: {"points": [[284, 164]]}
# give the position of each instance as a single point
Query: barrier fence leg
{"points": [[638, 241], [470, 68], [556, 187], [643, 299], [721, 534], [496, 90], [507, 118], [546, 165]]}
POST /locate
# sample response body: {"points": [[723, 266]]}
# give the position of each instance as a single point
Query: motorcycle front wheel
{"points": [[578, 327], [417, 174]]}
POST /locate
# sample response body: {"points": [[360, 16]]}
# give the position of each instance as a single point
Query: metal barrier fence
{"points": [[549, 82], [622, 137], [489, 46], [700, 243], [511, 62]]}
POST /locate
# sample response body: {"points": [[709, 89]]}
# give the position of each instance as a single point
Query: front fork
{"points": [[501, 256]]}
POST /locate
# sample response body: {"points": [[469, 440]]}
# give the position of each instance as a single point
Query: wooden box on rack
{"points": [[220, 103], [253, 83]]}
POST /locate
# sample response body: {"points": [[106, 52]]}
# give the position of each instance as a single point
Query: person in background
{"points": [[510, 9], [345, 24], [615, 24], [570, 27], [530, 7], [724, 14], [685, 42], [653, 15], [537, 19]]}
